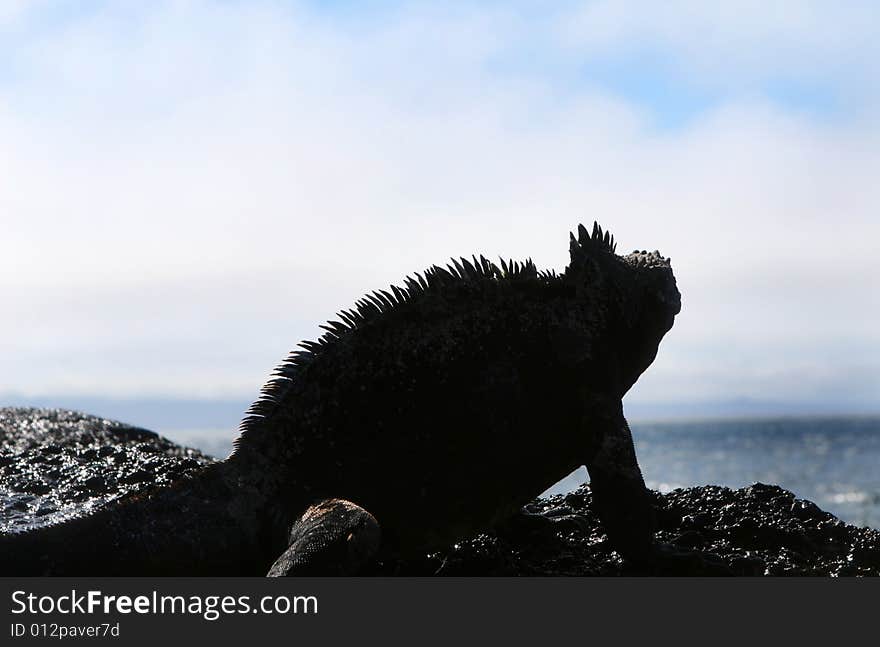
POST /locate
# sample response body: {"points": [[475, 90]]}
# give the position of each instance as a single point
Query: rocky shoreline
{"points": [[715, 531], [54, 463]]}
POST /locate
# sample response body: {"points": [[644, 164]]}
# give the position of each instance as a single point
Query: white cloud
{"points": [[186, 194]]}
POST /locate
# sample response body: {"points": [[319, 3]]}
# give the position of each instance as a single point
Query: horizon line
{"points": [[737, 409]]}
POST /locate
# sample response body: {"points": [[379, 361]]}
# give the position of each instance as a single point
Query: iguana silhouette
{"points": [[425, 414]]}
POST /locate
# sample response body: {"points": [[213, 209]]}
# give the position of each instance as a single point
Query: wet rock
{"points": [[806, 510], [141, 476], [96, 484], [33, 487], [67, 462], [708, 531], [559, 511], [747, 565], [45, 509], [689, 539]]}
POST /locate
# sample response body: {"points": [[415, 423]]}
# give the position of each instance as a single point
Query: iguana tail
{"points": [[195, 527]]}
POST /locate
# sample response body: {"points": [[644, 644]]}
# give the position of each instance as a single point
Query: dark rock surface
{"points": [[56, 463], [757, 530]]}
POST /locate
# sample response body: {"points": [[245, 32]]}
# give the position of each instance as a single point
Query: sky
{"points": [[188, 188]]}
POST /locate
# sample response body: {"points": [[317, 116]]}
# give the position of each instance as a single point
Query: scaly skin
{"points": [[439, 409]]}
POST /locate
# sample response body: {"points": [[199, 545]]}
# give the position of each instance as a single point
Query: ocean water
{"points": [[834, 462]]}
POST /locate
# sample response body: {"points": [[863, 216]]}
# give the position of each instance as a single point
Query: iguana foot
{"points": [[332, 537]]}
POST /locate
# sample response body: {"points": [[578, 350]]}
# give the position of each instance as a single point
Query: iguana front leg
{"points": [[332, 537], [624, 506], [620, 497]]}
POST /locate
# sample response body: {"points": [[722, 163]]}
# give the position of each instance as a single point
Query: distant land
{"points": [[163, 414], [155, 414], [745, 408]]}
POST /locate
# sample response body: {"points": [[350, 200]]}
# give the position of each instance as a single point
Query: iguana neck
{"points": [[214, 523]]}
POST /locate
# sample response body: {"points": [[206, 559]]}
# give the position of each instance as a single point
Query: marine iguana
{"points": [[425, 414]]}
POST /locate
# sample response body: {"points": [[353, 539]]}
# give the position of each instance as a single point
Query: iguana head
{"points": [[638, 293]]}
